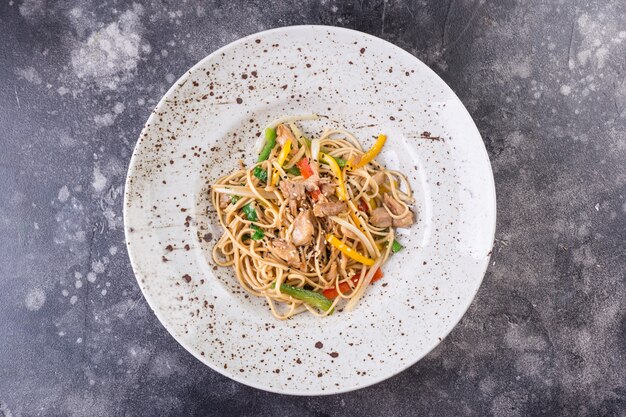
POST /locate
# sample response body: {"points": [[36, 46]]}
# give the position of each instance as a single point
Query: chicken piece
{"points": [[283, 133], [380, 217], [404, 221], [312, 183], [224, 200], [327, 188], [292, 190], [329, 208], [293, 207], [303, 229], [397, 209], [379, 178], [286, 251]]}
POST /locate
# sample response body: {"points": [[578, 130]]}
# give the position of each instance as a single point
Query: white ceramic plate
{"points": [[209, 120]]}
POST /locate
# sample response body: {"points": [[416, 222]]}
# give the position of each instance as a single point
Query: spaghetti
{"points": [[312, 222]]}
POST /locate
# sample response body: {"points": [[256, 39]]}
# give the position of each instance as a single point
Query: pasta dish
{"points": [[311, 223]]}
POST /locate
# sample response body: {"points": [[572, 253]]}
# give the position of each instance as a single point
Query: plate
{"points": [[210, 119]]}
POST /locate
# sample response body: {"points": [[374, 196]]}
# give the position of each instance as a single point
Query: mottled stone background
{"points": [[545, 82]]}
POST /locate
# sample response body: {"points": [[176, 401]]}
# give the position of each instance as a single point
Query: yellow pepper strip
{"points": [[334, 167], [348, 251], [282, 157], [356, 162]]}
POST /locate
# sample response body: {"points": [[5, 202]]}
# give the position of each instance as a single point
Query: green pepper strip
{"points": [[340, 161], [260, 173], [250, 212], [258, 232], [293, 171], [396, 246], [312, 298], [270, 142]]}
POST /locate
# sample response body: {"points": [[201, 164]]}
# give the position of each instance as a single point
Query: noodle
{"points": [[291, 234]]}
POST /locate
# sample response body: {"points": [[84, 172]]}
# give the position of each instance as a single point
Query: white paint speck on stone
{"points": [[99, 180], [109, 57], [65, 293], [566, 90], [119, 108], [113, 250], [78, 284], [104, 120], [73, 299], [97, 267], [91, 277], [35, 299], [64, 194], [29, 74]]}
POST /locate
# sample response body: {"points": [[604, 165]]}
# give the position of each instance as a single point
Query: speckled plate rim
{"points": [[132, 171]]}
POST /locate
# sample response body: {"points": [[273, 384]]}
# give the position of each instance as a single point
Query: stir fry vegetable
{"points": [[293, 171], [305, 168], [396, 246], [250, 212], [282, 157], [348, 251], [310, 297], [367, 157], [340, 161], [334, 167], [270, 142], [307, 171], [258, 232], [344, 287]]}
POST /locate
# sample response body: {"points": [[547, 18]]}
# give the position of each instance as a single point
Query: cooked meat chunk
{"points": [[283, 133], [312, 183], [225, 200], [404, 221], [380, 217], [397, 209], [286, 251], [303, 229], [394, 206], [327, 188], [292, 190], [293, 207], [329, 208]]}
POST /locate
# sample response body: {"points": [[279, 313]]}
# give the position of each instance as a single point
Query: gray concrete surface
{"points": [[545, 82]]}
